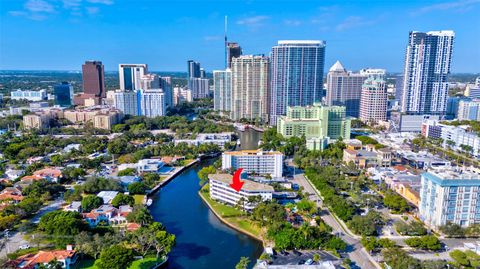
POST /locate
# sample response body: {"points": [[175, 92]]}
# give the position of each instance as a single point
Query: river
{"points": [[203, 242]]}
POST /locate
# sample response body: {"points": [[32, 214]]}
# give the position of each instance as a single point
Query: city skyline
{"points": [[30, 42]]}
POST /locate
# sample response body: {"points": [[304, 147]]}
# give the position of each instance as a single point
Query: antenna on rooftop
{"points": [[226, 42]]}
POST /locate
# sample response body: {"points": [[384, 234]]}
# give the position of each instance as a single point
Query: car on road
{"points": [[309, 262], [25, 246], [301, 262]]}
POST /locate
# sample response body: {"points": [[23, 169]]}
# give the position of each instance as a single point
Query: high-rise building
{"points": [[297, 75], [166, 86], [93, 79], [222, 90], [469, 110], [250, 87], [344, 89], [373, 102], [254, 161], [152, 103], [29, 95], [199, 87], [233, 51], [449, 195], [149, 81], [202, 73], [473, 91], [193, 69], [127, 102], [130, 76], [427, 65], [181, 95], [63, 94]]}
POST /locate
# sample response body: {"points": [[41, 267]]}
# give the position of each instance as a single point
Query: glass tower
{"points": [[63, 94], [297, 75]]}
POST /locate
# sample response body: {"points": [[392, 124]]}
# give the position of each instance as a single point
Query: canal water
{"points": [[203, 242]]}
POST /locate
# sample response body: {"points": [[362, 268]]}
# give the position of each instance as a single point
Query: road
{"points": [[356, 252], [15, 239]]}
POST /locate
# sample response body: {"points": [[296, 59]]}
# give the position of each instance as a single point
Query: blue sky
{"points": [[62, 34]]}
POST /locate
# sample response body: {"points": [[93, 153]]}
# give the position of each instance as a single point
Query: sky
{"points": [[62, 34]]}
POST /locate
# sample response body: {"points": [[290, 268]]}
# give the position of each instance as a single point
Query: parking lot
{"points": [[299, 257]]}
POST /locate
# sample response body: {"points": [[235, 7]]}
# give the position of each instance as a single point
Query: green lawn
{"points": [[145, 263], [138, 199], [223, 210]]}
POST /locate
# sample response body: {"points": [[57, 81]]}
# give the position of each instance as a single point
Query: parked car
{"points": [[309, 262], [26, 246]]}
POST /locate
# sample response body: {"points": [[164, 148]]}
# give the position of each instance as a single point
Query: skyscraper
{"points": [[222, 90], [297, 75], [166, 86], [203, 74], [93, 79], [193, 69], [250, 87], [63, 94], [427, 65], [152, 103], [344, 89], [233, 51], [130, 76], [373, 103], [199, 87], [127, 102]]}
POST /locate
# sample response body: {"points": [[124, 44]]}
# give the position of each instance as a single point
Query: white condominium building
{"points": [[222, 90], [199, 87], [152, 103], [254, 161], [250, 87], [130, 76], [449, 195], [127, 102], [29, 95], [469, 110], [373, 101], [220, 190]]}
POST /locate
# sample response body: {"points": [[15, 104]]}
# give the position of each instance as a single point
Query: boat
{"points": [[149, 202], [240, 127], [238, 142]]}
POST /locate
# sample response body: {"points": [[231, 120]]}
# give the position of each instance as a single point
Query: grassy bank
{"points": [[233, 217], [145, 263]]}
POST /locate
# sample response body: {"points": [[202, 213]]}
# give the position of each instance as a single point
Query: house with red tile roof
{"points": [[29, 261], [11, 194], [49, 173]]}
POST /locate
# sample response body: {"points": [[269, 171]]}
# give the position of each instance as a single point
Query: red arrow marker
{"points": [[236, 183]]}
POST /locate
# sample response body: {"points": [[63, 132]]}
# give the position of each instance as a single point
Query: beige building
{"points": [[102, 118], [373, 103], [41, 118], [250, 87]]}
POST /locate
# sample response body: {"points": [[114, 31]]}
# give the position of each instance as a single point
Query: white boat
{"points": [[149, 202], [239, 127]]}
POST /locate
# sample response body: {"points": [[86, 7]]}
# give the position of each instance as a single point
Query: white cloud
{"points": [[457, 6], [353, 22], [39, 6], [92, 10], [292, 22], [253, 21], [105, 2]]}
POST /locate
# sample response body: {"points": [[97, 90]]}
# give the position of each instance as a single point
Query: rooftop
{"points": [[252, 152], [249, 185]]}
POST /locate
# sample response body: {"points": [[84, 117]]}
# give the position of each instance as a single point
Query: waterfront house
{"points": [[108, 215], [75, 206], [149, 165], [107, 196], [66, 258]]}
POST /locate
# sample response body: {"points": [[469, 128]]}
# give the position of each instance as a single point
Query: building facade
{"points": [[469, 110], [427, 66], [93, 78], [254, 161], [315, 121], [63, 94], [130, 76], [233, 51], [250, 87], [449, 195], [181, 95], [374, 73], [297, 75], [193, 69], [29, 95], [222, 90], [344, 89], [221, 191], [152, 103], [127, 102], [373, 101], [199, 86]]}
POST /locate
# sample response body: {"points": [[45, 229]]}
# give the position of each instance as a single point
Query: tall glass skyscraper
{"points": [[427, 65], [130, 76], [63, 94], [297, 75]]}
